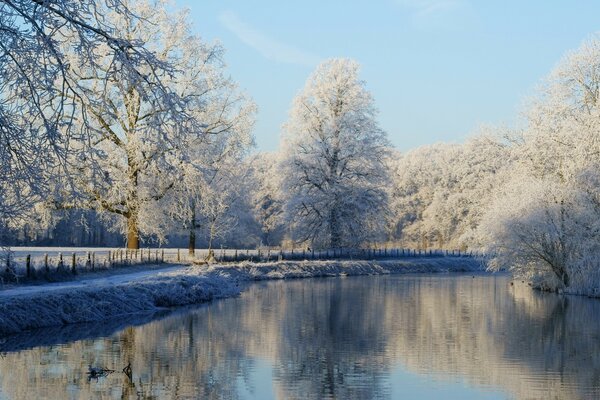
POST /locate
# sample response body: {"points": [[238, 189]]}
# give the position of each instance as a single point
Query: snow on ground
{"points": [[116, 277], [106, 297]]}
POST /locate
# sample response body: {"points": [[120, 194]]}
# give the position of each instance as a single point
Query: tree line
{"points": [[116, 119]]}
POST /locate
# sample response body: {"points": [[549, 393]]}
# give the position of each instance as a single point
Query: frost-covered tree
{"points": [[213, 170], [221, 204], [544, 224], [334, 157], [138, 143], [266, 196], [439, 192], [40, 95]]}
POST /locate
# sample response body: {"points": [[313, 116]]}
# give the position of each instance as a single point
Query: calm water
{"points": [[427, 336]]}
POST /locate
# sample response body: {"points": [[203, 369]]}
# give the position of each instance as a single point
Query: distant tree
{"points": [[334, 157], [266, 196], [439, 192], [214, 168]]}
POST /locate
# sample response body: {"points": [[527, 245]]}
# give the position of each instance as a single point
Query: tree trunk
{"points": [[133, 234], [210, 240], [192, 243], [334, 229]]}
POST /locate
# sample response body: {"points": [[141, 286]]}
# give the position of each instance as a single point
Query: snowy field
{"points": [[90, 298]]}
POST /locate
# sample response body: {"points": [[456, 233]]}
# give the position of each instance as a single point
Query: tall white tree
{"points": [[334, 156]]}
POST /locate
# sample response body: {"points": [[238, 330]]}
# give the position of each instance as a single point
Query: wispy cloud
{"points": [[267, 46], [436, 13]]}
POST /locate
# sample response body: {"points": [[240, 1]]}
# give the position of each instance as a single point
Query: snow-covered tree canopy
{"points": [[40, 95], [440, 191], [543, 224], [137, 146], [334, 153]]}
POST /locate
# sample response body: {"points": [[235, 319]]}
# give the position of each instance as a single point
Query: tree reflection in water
{"points": [[326, 338]]}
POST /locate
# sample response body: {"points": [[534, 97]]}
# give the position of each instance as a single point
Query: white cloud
{"points": [[428, 6], [436, 13], [265, 45]]}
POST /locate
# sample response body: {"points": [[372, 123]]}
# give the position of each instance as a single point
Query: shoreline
{"points": [[190, 285]]}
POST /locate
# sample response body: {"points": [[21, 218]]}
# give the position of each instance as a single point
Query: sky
{"points": [[438, 69]]}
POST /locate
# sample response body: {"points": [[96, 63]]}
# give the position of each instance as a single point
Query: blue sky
{"points": [[437, 68]]}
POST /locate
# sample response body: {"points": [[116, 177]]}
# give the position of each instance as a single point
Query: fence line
{"points": [[259, 255], [47, 265]]}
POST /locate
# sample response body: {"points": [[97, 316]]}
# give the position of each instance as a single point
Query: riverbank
{"points": [[96, 299]]}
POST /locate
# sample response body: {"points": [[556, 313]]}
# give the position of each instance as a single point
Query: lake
{"points": [[377, 337]]}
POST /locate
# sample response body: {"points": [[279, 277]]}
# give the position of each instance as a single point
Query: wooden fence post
{"points": [[46, 266], [93, 260], [61, 263], [73, 263], [28, 265], [178, 256], [162, 255]]}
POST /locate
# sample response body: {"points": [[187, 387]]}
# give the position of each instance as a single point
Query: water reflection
{"points": [[327, 338]]}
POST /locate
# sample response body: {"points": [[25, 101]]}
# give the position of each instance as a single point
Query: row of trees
{"points": [[159, 165], [530, 196], [117, 108]]}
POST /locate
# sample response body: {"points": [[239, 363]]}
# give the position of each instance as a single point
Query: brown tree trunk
{"points": [[192, 243], [133, 234]]}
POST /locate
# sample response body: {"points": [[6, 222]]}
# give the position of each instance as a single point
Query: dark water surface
{"points": [[408, 337]]}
